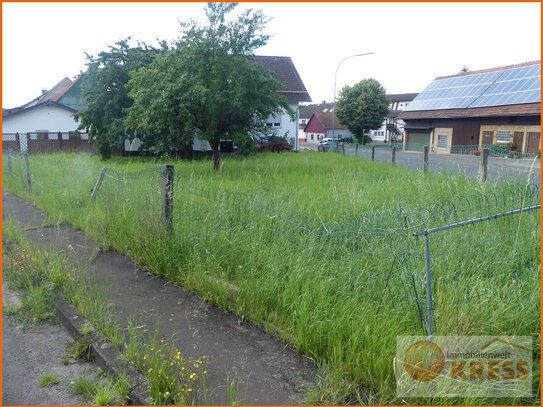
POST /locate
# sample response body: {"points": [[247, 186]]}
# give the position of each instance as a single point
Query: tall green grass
{"points": [[316, 249]]}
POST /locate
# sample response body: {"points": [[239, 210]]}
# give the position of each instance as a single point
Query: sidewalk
{"points": [[268, 372]]}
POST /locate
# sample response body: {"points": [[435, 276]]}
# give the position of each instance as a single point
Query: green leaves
{"points": [[363, 107], [104, 88], [206, 85]]}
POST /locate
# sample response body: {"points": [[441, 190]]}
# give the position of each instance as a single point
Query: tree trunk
{"points": [[216, 155]]}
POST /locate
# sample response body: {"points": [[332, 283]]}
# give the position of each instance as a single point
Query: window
{"points": [[442, 141], [312, 136], [504, 136], [42, 134], [274, 121]]}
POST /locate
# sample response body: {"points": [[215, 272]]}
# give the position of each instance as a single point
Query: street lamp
{"points": [[334, 107]]}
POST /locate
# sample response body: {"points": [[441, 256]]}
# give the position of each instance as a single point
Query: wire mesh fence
{"points": [[372, 259], [463, 160]]}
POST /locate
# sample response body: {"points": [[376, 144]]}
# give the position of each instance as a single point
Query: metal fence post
{"points": [[18, 140], [425, 159], [60, 141], [167, 197], [98, 182], [28, 173], [483, 165], [373, 153], [393, 158], [9, 162], [429, 287], [28, 142]]}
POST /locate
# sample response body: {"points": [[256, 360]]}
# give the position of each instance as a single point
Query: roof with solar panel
{"points": [[508, 90]]}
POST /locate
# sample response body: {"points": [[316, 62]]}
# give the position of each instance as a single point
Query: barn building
{"points": [[497, 106]]}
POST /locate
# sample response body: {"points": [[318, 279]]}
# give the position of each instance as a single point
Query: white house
{"points": [[392, 128], [51, 112], [294, 90]]}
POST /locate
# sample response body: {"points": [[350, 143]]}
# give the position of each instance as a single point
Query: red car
{"points": [[273, 143]]}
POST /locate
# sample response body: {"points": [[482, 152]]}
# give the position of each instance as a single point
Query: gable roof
{"points": [[286, 73], [307, 111], [50, 97], [402, 97], [325, 119], [512, 90]]}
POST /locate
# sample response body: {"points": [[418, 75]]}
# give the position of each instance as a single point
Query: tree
{"points": [[104, 88], [159, 115], [208, 85], [363, 107]]}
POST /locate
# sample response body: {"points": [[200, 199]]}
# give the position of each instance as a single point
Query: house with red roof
{"points": [[324, 124], [51, 112]]}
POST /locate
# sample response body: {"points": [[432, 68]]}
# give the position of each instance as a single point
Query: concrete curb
{"points": [[105, 355]]}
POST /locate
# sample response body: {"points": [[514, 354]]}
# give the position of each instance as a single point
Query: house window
{"points": [[274, 121], [42, 134], [312, 136], [504, 136], [442, 141]]}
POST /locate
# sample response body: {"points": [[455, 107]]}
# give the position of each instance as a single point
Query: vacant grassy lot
{"points": [[317, 249]]}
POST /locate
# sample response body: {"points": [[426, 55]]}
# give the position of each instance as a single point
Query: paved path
{"points": [[27, 354], [268, 372], [499, 169]]}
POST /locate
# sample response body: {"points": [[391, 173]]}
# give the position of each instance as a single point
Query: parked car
{"points": [[273, 143], [327, 144]]}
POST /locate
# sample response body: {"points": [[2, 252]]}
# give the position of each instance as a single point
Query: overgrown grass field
{"points": [[315, 248]]}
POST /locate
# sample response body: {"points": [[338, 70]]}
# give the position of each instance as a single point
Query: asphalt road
{"points": [[27, 354], [499, 169]]}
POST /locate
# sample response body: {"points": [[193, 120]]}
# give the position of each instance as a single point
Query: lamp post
{"points": [[334, 106]]}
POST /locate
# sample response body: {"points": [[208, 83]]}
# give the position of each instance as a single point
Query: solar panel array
{"points": [[507, 87]]}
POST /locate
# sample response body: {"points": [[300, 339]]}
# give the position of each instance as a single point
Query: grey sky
{"points": [[413, 42]]}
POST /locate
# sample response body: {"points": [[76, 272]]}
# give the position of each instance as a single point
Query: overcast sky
{"points": [[413, 42]]}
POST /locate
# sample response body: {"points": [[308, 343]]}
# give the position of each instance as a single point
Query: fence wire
{"points": [[372, 258]]}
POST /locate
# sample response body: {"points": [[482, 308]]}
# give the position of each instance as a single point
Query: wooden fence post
{"points": [[483, 165], [18, 140], [425, 159], [98, 182], [393, 158], [343, 147], [9, 162], [373, 153], [28, 173], [356, 150], [167, 197], [28, 142], [60, 141]]}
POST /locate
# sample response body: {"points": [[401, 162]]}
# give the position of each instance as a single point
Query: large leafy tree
{"points": [[104, 88], [160, 114], [363, 107], [208, 85]]}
